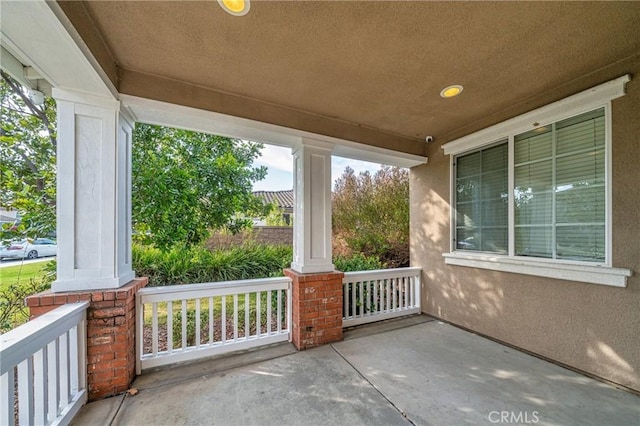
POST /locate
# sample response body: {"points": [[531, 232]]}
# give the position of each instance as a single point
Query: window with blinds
{"points": [[482, 200], [559, 193]]}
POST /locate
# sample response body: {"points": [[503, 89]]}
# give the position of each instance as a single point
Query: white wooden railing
{"points": [[381, 294], [43, 364], [185, 322]]}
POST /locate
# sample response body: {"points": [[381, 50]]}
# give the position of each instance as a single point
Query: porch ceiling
{"points": [[369, 72]]}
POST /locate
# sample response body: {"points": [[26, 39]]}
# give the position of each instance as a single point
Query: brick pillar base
{"points": [[317, 308], [111, 333]]}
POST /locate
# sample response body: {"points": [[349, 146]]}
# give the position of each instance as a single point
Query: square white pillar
{"points": [[94, 193], [312, 249]]}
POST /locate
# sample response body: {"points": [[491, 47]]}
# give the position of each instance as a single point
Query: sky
{"points": [[279, 162]]}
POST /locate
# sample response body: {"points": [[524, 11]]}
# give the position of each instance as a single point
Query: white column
{"points": [[94, 193], [312, 211]]}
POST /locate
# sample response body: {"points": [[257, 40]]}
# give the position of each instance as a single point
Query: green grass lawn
{"points": [[11, 274]]}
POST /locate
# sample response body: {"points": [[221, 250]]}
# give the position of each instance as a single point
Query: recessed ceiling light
{"points": [[451, 91], [235, 7]]}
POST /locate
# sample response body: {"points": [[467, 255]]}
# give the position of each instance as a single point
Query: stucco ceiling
{"points": [[366, 71]]}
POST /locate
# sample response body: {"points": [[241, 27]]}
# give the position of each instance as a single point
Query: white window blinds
{"points": [[482, 200], [559, 193]]}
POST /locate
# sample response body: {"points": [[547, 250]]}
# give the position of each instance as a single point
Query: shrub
{"points": [[197, 265], [13, 311], [357, 262], [370, 215]]}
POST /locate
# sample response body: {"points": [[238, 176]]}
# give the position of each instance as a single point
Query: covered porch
{"points": [[416, 370], [365, 80]]}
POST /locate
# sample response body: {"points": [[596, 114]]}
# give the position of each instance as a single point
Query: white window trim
{"points": [[588, 272], [592, 274], [557, 111]]}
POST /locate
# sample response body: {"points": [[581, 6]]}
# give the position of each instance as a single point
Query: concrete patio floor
{"points": [[409, 371]]}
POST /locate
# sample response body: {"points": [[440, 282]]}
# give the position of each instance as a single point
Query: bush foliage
{"points": [[199, 265], [371, 214], [357, 262], [13, 311], [181, 265]]}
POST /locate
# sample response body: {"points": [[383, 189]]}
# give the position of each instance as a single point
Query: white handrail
{"points": [[382, 273], [48, 355], [192, 291]]}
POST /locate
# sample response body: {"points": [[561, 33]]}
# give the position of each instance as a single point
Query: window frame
{"points": [[574, 270], [454, 178]]}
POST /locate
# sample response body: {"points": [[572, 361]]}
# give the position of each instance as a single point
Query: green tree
{"points": [[371, 213], [275, 216], [27, 159], [186, 183]]}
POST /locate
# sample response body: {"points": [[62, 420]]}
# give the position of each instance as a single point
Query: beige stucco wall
{"points": [[590, 327]]}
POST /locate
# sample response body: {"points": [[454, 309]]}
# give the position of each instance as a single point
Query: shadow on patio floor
{"points": [[407, 371]]}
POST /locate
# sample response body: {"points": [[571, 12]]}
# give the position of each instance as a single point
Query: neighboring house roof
{"points": [[283, 199]]}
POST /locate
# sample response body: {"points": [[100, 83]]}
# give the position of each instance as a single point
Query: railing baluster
{"points": [[81, 359], [197, 322], [73, 360], [407, 286], [140, 326], [7, 389], [211, 335], [39, 387], [412, 291], [388, 287], [63, 366], [394, 296], [53, 379], [154, 328], [417, 303], [279, 313], [258, 314], [184, 325], [361, 304], [354, 313], [235, 317], [170, 326], [368, 298], [395, 287], [345, 299], [25, 392], [376, 307], [268, 312], [247, 329], [223, 319], [289, 309]]}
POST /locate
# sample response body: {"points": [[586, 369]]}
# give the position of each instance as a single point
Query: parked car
{"points": [[40, 247]]}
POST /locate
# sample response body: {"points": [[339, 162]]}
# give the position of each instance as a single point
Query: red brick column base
{"points": [[111, 333], [317, 308]]}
